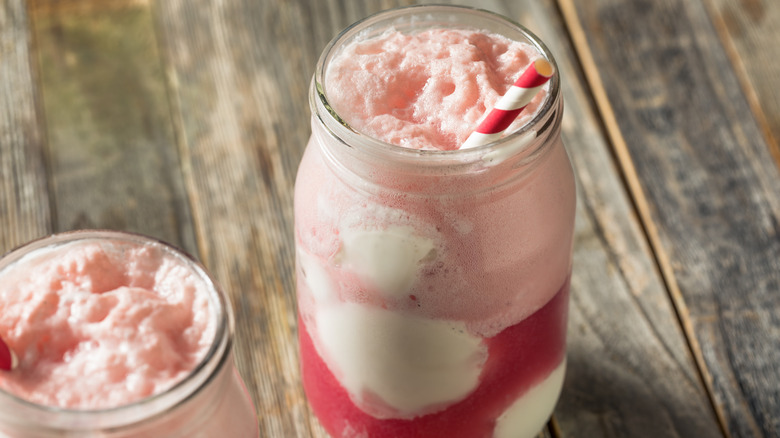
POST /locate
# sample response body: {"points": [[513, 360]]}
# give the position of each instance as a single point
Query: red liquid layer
{"points": [[519, 357]]}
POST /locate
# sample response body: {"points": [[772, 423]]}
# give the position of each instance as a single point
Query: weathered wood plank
{"points": [[750, 31], [113, 159], [705, 185], [24, 204]]}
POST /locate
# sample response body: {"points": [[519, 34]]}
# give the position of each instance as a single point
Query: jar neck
{"points": [[21, 418], [368, 161]]}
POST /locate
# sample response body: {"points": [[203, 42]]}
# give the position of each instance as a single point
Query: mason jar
{"points": [[433, 285], [209, 400]]}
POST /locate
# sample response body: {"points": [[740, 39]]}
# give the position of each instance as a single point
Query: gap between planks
{"points": [[629, 174]]}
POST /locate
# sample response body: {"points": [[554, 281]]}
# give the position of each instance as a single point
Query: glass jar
{"points": [[210, 400], [433, 285]]}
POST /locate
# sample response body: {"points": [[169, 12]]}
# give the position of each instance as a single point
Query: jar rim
{"points": [[147, 408], [340, 129]]}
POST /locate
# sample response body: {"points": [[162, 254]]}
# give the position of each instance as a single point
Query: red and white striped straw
{"points": [[8, 360], [511, 104]]}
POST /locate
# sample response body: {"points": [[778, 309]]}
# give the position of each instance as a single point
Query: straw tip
{"points": [[543, 67], [8, 360]]}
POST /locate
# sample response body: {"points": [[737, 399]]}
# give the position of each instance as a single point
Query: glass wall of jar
{"points": [[433, 285], [52, 315]]}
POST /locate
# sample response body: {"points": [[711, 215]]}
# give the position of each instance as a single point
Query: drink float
{"points": [[432, 272], [116, 335]]}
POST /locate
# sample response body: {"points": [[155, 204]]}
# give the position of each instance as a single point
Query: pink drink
{"points": [[433, 282], [118, 332]]}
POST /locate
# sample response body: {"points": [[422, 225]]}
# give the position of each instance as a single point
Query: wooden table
{"points": [[185, 120]]}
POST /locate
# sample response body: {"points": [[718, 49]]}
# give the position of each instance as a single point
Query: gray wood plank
{"points": [[112, 156], [705, 184], [750, 32], [24, 204]]}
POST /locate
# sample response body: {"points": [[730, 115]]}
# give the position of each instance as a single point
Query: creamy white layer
{"points": [[528, 414], [389, 259], [399, 366], [393, 365]]}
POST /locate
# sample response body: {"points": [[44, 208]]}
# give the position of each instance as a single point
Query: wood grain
{"points": [[709, 189], [112, 159], [750, 31], [24, 204]]}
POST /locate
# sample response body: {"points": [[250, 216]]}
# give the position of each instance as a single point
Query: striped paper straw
{"points": [[8, 360], [511, 104]]}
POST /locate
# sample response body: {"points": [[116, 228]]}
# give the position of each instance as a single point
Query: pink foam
{"points": [[95, 326], [426, 90]]}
